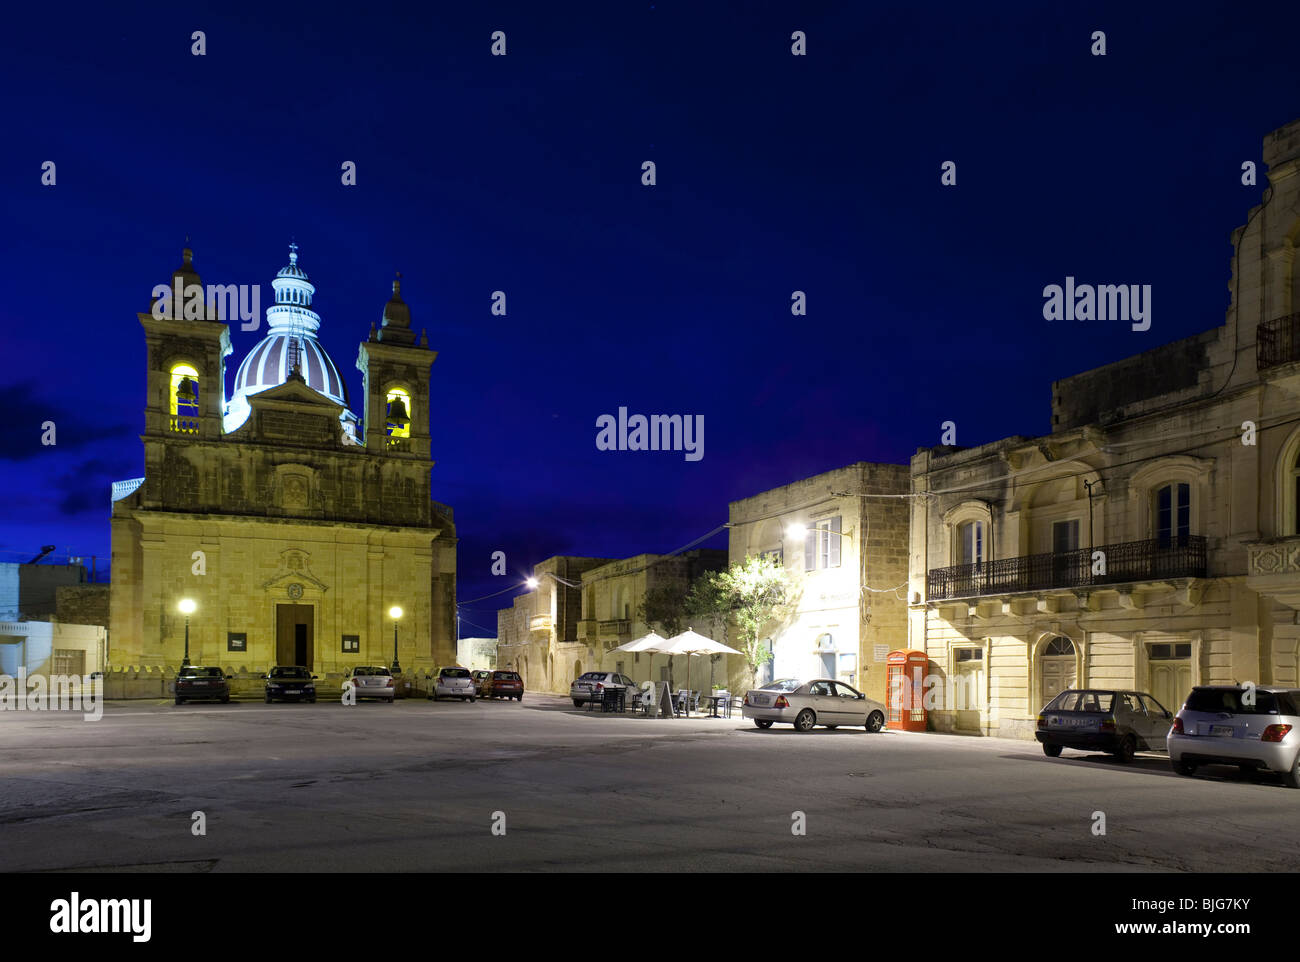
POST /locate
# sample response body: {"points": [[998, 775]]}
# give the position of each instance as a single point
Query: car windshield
{"points": [[783, 684], [505, 675], [455, 673], [200, 672], [1240, 701], [1082, 701], [289, 673], [367, 670]]}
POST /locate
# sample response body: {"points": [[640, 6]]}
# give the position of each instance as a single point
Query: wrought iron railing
{"points": [[1277, 341], [1158, 558]]}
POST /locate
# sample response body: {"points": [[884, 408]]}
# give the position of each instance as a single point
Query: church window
{"points": [[184, 397], [399, 415]]}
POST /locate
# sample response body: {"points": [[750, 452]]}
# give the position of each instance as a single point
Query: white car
{"points": [[454, 683], [372, 681], [805, 704]]}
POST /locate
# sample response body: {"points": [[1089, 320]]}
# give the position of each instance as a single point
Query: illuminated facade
{"points": [[291, 522]]}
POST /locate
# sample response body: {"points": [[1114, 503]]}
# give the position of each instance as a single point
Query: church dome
{"points": [[290, 342]]}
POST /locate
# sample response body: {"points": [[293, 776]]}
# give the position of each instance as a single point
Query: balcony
{"points": [[1277, 341], [1130, 561], [1273, 569], [183, 425], [540, 623]]}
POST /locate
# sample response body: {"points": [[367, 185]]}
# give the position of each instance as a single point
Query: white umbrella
{"points": [[691, 642], [648, 643]]}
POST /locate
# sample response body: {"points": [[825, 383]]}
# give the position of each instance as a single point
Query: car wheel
{"points": [[1051, 751], [311, 701], [226, 700], [805, 720], [268, 699], [577, 703], [875, 721], [471, 699], [1127, 749], [1183, 768], [1292, 778], [180, 701], [762, 723]]}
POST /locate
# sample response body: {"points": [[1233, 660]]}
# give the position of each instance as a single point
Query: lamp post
{"points": [[187, 607], [395, 612]]}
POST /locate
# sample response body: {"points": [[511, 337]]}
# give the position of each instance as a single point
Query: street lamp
{"points": [[187, 607], [395, 612], [532, 582]]}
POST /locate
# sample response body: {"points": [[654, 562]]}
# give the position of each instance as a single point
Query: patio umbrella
{"points": [[645, 643], [691, 642]]}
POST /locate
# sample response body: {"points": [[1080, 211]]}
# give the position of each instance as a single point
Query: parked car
{"points": [[290, 684], [503, 683], [1256, 729], [372, 681], [588, 685], [194, 683], [1096, 719], [822, 701], [454, 682], [480, 680]]}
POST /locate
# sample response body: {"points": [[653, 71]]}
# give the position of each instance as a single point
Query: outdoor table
{"points": [[715, 701], [614, 699]]}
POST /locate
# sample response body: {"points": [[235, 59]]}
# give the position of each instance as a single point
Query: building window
{"points": [[1065, 536], [1170, 652], [970, 543], [399, 414], [351, 644], [776, 555], [1173, 514], [821, 545], [236, 641], [68, 661], [968, 654]]}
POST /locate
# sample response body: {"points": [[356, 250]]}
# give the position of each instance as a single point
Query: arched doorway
{"points": [[1058, 667]]}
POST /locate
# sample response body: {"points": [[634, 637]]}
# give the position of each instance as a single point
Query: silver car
{"points": [[372, 681], [1256, 729], [454, 683], [586, 686], [822, 701]]}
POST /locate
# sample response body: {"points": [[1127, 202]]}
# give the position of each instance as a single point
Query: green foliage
{"points": [[749, 594], [664, 608]]}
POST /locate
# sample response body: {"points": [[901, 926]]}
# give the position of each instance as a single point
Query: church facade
{"points": [[296, 528]]}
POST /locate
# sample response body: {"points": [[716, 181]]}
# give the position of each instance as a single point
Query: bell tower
{"points": [[187, 346], [395, 373]]}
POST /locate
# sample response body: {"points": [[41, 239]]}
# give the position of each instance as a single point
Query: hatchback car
{"points": [[1119, 722], [194, 683], [454, 683], [593, 684], [372, 681], [503, 684], [290, 684], [481, 678], [1256, 729], [822, 701]]}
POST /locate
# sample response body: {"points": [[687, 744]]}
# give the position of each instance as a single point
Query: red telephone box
{"points": [[905, 673]]}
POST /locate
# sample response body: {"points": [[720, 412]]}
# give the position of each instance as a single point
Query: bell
{"points": [[397, 412], [185, 391]]}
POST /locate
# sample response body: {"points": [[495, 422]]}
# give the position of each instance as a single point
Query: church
{"points": [[292, 530]]}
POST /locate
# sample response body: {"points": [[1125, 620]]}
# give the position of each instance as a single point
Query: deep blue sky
{"points": [[522, 173]]}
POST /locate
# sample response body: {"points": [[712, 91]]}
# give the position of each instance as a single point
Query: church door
{"points": [[294, 635]]}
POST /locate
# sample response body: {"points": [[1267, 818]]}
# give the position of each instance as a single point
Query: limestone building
{"points": [[1149, 541], [842, 536], [293, 524]]}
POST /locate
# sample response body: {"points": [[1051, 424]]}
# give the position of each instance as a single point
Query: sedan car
{"points": [[1256, 729], [372, 681], [592, 684], [290, 684], [503, 684], [1094, 719], [194, 683], [822, 701], [454, 683]]}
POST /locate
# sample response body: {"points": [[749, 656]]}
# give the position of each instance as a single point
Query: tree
{"points": [[758, 587], [710, 598], [664, 606]]}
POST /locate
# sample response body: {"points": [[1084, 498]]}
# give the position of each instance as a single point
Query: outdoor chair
{"points": [[595, 699]]}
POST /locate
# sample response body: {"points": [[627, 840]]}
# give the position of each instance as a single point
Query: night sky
{"points": [[522, 173]]}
